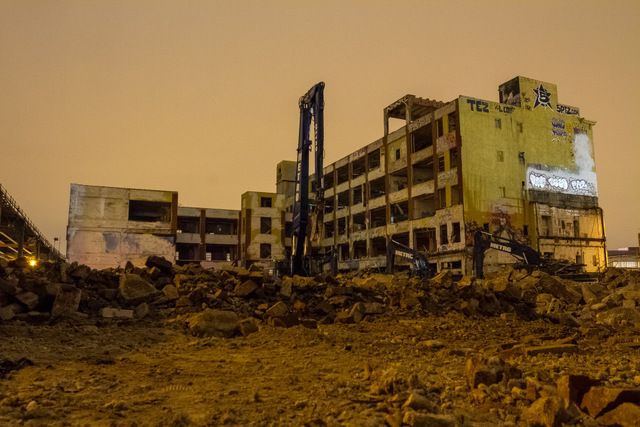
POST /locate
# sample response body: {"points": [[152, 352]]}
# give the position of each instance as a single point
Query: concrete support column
{"points": [[21, 232], [202, 249], [408, 145]]}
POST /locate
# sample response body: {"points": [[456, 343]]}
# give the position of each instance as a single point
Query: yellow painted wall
{"points": [[498, 162], [484, 174]]}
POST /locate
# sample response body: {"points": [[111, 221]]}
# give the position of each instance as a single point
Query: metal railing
{"points": [[7, 201]]}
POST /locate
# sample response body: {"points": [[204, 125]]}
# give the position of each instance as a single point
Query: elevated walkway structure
{"points": [[19, 237]]}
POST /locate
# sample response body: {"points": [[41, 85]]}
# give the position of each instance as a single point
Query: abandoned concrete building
{"points": [[522, 168], [109, 226]]}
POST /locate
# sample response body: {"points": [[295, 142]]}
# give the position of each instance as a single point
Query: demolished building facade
{"points": [[522, 168]]}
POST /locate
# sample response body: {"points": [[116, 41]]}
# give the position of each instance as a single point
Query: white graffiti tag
{"points": [[537, 181]]}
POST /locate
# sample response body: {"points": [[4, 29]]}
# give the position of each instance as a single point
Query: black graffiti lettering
{"points": [[480, 106], [471, 102], [567, 109], [504, 108]]}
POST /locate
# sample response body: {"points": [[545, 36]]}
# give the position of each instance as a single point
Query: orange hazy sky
{"points": [[201, 96]]}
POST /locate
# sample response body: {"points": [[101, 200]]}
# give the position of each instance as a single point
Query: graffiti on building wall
{"points": [[483, 106], [510, 92], [567, 109], [543, 97], [504, 108], [580, 181], [558, 127], [478, 105]]}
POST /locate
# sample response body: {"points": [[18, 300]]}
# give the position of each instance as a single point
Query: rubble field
{"points": [[182, 346]]}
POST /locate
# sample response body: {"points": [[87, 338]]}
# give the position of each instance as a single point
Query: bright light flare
{"points": [[33, 262]]}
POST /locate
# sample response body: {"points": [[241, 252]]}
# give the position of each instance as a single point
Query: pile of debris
{"points": [[613, 301], [570, 400], [201, 298]]}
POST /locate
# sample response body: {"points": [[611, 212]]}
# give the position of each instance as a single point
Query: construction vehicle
{"points": [[419, 263], [527, 257], [303, 259]]}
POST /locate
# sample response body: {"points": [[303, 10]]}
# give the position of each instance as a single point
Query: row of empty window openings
{"points": [[423, 206], [422, 172], [191, 252], [425, 240], [563, 228], [420, 140], [212, 226]]}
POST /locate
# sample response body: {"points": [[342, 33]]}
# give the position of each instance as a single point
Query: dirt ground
{"points": [[142, 373]]}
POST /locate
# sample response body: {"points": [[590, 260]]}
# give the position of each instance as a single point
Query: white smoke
{"points": [[582, 152], [581, 180]]}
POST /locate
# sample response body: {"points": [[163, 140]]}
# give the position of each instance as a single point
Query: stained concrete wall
{"points": [[100, 234], [251, 236]]}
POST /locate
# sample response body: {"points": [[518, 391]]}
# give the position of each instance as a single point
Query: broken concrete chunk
{"points": [[357, 312], [66, 301], [9, 286], [309, 323], [545, 412], [344, 317], [79, 272], [465, 282], [52, 289], [279, 309], [499, 283], [561, 289], [218, 323], [29, 299], [630, 292], [551, 348], [432, 344], [619, 316], [286, 287], [489, 371], [160, 263], [624, 415], [7, 313], [418, 401], [245, 288], [170, 292], [415, 419], [248, 326], [116, 313], [134, 289], [442, 279], [142, 310], [286, 321], [599, 399], [590, 293], [373, 308], [409, 299], [571, 388]]}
